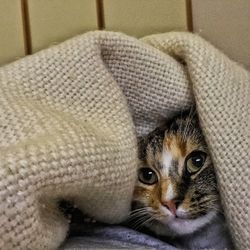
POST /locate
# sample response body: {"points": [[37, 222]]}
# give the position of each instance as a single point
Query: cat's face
{"points": [[176, 191]]}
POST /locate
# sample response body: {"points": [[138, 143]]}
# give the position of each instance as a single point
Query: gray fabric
{"points": [[99, 236], [113, 237]]}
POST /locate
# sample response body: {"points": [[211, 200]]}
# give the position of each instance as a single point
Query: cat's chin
{"points": [[177, 227]]}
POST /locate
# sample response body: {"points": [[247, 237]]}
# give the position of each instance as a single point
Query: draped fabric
{"points": [[69, 116]]}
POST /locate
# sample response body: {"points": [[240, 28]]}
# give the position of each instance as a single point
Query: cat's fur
{"points": [[180, 205]]}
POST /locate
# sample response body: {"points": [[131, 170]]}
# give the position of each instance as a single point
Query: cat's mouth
{"points": [[177, 214], [165, 222], [182, 223]]}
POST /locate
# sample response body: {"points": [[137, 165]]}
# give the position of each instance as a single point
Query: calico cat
{"points": [[176, 194]]}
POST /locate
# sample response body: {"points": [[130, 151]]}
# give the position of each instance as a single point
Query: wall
{"points": [[226, 24], [28, 26]]}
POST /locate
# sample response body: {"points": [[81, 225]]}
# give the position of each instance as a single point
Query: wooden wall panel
{"points": [[52, 21], [144, 17], [226, 24], [11, 31]]}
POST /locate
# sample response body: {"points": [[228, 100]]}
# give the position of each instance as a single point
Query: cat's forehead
{"points": [[173, 142], [175, 149], [179, 146]]}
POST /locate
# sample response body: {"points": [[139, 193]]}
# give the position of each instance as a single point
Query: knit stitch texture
{"points": [[69, 117]]}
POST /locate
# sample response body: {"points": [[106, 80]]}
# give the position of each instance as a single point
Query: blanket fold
{"points": [[69, 117]]}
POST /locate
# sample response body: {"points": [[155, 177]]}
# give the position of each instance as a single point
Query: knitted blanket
{"points": [[69, 117]]}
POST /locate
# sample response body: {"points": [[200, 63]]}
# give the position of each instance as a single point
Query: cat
{"points": [[176, 195]]}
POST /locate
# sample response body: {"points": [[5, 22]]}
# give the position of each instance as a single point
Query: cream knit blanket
{"points": [[66, 130]]}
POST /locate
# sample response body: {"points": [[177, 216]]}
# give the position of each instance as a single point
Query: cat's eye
{"points": [[147, 176], [195, 161]]}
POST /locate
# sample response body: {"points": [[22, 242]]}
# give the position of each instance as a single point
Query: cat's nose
{"points": [[170, 205]]}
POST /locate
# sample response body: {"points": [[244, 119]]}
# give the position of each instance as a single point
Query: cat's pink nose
{"points": [[170, 205]]}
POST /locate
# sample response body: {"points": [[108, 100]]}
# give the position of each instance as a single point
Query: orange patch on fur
{"points": [[177, 147], [172, 144], [165, 185], [148, 196]]}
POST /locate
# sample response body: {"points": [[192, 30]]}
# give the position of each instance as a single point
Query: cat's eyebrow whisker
{"points": [[185, 132], [186, 127], [181, 127], [188, 124]]}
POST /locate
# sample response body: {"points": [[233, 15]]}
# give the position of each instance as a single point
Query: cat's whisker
{"points": [[139, 215], [139, 212], [148, 221], [139, 209], [136, 223], [144, 222]]}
